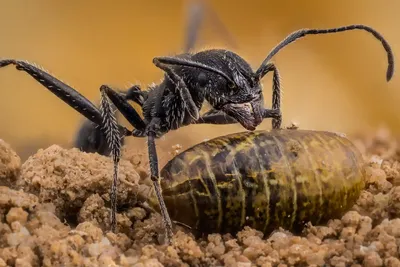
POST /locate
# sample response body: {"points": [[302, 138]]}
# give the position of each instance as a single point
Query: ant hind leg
{"points": [[63, 91]]}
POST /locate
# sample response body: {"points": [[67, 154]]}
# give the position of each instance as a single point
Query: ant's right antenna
{"points": [[303, 32]]}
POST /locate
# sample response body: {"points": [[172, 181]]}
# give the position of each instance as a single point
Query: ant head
{"points": [[237, 92], [226, 81]]}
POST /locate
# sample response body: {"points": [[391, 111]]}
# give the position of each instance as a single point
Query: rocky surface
{"points": [[54, 212]]}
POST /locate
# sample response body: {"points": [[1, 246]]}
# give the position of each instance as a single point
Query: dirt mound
{"points": [[54, 211], [10, 164]]}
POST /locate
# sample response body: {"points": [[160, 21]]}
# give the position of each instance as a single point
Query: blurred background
{"points": [[333, 82]]}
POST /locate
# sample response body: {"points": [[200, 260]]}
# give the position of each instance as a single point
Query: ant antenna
{"points": [[190, 63], [303, 32]]}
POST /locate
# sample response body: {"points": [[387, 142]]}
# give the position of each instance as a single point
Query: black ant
{"points": [[90, 138], [220, 77]]}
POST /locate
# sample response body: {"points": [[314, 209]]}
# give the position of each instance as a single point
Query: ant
{"points": [[90, 138], [217, 76]]}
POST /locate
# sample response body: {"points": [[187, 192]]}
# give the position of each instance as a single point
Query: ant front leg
{"points": [[275, 113], [214, 116], [180, 87], [219, 117]]}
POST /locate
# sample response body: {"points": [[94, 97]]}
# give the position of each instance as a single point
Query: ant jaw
{"points": [[247, 114]]}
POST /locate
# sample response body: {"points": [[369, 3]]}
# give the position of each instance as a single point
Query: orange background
{"points": [[331, 82]]}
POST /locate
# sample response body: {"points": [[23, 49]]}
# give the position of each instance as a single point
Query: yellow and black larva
{"points": [[264, 179]]}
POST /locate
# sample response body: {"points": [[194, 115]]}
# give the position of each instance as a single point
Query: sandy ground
{"points": [[54, 212]]}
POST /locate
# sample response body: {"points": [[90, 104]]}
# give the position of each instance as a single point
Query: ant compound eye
{"points": [[202, 79], [231, 85]]}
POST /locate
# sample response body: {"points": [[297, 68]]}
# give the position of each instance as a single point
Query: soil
{"points": [[54, 212]]}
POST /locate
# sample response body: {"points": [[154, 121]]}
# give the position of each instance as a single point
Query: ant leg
{"points": [[135, 94], [133, 117], [90, 138], [83, 106], [113, 135], [155, 176], [219, 117], [214, 116], [110, 126], [276, 98], [66, 93], [124, 107], [181, 89]]}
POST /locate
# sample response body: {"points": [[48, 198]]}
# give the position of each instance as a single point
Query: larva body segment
{"points": [[263, 179]]}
